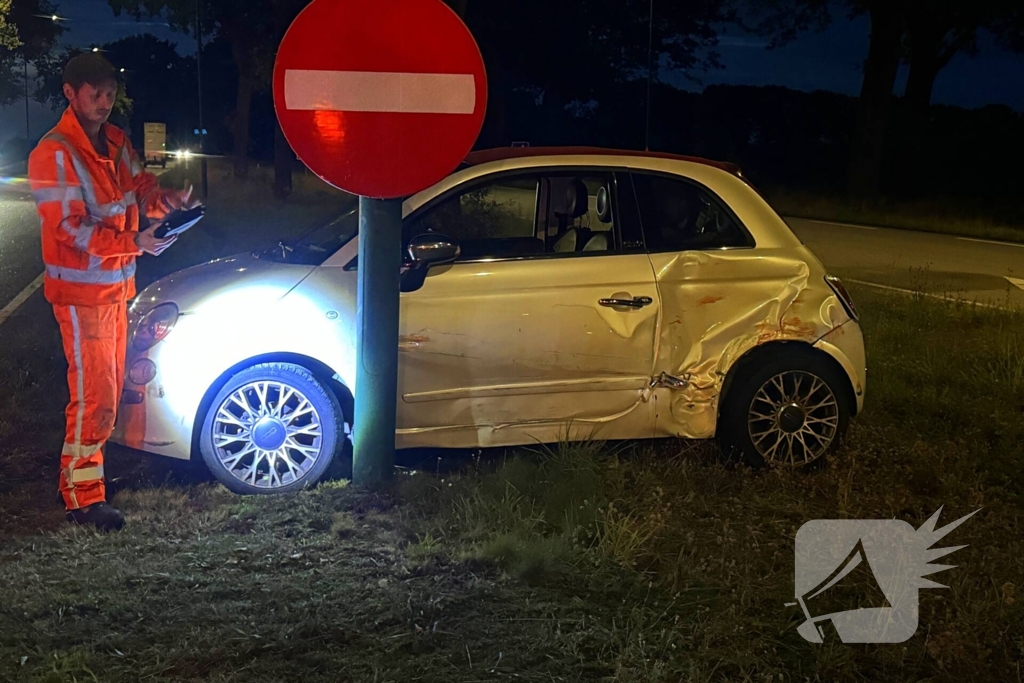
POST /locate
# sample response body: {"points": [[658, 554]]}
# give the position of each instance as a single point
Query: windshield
{"points": [[316, 245]]}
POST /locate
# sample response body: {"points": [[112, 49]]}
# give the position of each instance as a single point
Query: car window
{"points": [[496, 219], [681, 216], [579, 213], [554, 214]]}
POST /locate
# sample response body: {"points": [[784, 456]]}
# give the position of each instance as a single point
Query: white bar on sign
{"points": [[385, 92]]}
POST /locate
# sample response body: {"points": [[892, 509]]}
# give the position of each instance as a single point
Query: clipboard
{"points": [[178, 222]]}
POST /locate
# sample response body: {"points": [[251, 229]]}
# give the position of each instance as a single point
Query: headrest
{"points": [[604, 205], [577, 199]]}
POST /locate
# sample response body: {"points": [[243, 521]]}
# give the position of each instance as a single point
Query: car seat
{"points": [[599, 241], [577, 204]]}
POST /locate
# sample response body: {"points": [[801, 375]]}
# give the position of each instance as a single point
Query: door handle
{"points": [[635, 302]]}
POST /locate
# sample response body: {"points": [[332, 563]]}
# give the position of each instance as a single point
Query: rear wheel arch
{"points": [[774, 350], [320, 370]]}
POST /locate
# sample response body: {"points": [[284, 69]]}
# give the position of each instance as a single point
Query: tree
{"points": [[575, 54], [888, 22], [8, 32], [785, 19], [243, 23], [938, 30], [35, 36], [927, 33]]}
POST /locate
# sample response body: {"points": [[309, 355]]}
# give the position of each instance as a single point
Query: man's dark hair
{"points": [[89, 67]]}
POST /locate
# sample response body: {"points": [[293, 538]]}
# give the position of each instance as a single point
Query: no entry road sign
{"points": [[381, 98]]}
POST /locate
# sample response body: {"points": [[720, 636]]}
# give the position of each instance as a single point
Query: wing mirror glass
{"points": [[433, 249], [424, 251]]}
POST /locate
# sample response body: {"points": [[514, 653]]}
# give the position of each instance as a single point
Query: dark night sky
{"points": [[829, 60]]}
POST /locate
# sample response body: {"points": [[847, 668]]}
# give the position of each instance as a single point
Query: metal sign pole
{"points": [[377, 309]]}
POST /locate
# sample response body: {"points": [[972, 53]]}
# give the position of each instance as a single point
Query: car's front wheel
{"points": [[790, 410], [273, 428]]}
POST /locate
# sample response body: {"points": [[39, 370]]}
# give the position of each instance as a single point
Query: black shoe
{"points": [[100, 515]]}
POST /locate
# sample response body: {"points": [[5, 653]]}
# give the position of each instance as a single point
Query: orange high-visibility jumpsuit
{"points": [[89, 205]]}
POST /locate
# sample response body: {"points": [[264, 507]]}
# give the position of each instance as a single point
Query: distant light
{"points": [[55, 17], [122, 69], [95, 49]]}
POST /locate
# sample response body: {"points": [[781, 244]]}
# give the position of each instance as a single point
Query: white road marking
{"points": [[384, 92], [8, 310], [842, 225], [915, 292], [1005, 244], [1016, 282]]}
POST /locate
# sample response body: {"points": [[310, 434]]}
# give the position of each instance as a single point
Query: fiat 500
{"points": [[547, 294]]}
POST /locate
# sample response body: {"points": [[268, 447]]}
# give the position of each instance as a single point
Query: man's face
{"points": [[92, 103]]}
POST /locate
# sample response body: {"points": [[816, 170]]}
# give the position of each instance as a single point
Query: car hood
{"points": [[189, 289]]}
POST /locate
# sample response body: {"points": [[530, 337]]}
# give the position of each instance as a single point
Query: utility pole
{"points": [[28, 131], [650, 77], [199, 81]]}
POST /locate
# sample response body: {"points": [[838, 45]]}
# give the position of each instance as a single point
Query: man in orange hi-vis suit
{"points": [[90, 189]]}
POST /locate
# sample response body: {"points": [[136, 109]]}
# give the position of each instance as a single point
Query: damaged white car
{"points": [[626, 294]]}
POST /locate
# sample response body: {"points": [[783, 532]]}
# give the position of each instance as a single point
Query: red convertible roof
{"points": [[503, 153]]}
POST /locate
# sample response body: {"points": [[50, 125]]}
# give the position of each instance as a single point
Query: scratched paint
{"points": [[757, 299]]}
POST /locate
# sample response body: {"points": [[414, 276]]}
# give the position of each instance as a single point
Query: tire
{"points": [[787, 409], [288, 450]]}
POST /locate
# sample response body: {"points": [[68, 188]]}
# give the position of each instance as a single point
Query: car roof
{"points": [[505, 153]]}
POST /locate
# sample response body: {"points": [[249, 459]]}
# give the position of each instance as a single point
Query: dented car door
{"points": [[720, 298], [529, 335]]}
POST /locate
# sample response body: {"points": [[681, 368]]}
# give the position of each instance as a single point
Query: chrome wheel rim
{"points": [[793, 418], [267, 434]]}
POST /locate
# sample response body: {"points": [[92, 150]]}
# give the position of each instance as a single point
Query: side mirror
{"points": [[433, 249], [426, 250]]}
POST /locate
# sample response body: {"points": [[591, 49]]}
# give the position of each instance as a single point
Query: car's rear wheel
{"points": [[791, 411], [273, 428]]}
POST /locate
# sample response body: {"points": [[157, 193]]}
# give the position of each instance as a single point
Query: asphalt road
{"points": [[21, 260], [941, 265]]}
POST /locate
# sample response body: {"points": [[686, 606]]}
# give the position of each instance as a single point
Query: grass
{"points": [[691, 561], [637, 562], [646, 561], [945, 216]]}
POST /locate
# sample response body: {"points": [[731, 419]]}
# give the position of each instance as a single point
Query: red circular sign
{"points": [[381, 98]]}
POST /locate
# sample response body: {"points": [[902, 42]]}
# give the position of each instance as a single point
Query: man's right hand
{"points": [[149, 243]]}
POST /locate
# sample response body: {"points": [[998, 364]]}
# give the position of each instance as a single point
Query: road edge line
{"points": [[15, 303], [940, 297], [1004, 244]]}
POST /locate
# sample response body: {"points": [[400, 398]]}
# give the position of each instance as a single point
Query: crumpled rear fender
{"points": [[719, 306]]}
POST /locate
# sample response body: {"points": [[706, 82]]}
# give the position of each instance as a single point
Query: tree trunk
{"points": [[283, 157], [884, 53], [925, 48], [243, 105]]}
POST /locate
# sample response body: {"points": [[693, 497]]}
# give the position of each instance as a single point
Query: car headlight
{"points": [[154, 326]]}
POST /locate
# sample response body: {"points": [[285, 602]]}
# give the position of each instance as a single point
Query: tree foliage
{"points": [[8, 31], [27, 34], [925, 33]]}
